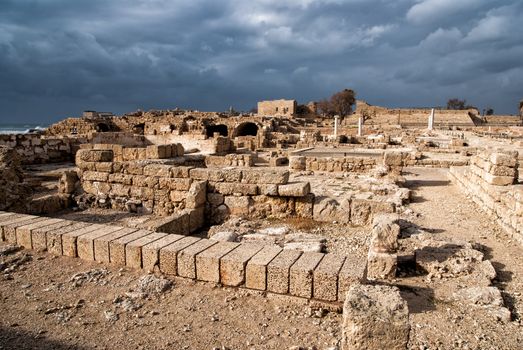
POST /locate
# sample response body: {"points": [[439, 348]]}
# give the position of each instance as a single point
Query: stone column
{"points": [[336, 125], [431, 120], [360, 126]]}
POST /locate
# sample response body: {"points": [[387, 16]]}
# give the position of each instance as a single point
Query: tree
{"points": [[456, 103], [342, 102], [489, 111], [339, 104]]}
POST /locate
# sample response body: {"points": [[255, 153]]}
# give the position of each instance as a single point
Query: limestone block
{"points": [[169, 254], [158, 151], [233, 265], [9, 227], [24, 233], [374, 318], [208, 261], [120, 190], [85, 243], [268, 189], [95, 155], [133, 250], [500, 170], [381, 265], [504, 159], [142, 193], [227, 188], [326, 209], [325, 277], [278, 271], [498, 180], [145, 181], [187, 257], [105, 167], [385, 233], [134, 167], [68, 182], [121, 178], [95, 176], [181, 171], [197, 195], [101, 244], [392, 158], [160, 170], [298, 189], [304, 206], [297, 163], [216, 175], [39, 235], [256, 270], [176, 184], [238, 206], [58, 244], [151, 251], [177, 196], [300, 281], [352, 272], [117, 246], [265, 176]]}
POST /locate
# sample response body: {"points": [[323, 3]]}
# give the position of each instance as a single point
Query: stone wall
{"points": [[490, 182], [318, 276], [277, 107], [14, 194], [36, 149]]}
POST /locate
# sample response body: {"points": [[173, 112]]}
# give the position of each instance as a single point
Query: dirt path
{"points": [[444, 210]]}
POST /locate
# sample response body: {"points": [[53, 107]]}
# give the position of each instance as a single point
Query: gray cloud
{"points": [[59, 57]]}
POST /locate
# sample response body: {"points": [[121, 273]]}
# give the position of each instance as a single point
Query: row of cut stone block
{"points": [[269, 268]]}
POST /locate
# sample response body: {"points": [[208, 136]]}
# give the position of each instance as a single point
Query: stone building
{"points": [[277, 107]]}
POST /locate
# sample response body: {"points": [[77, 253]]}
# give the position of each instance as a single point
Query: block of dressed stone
{"points": [[256, 270], [300, 279], [351, 272], [69, 239], [85, 243], [151, 251], [208, 261], [101, 244], [278, 271], [9, 227], [169, 254], [325, 277], [23, 233], [39, 235], [133, 250], [7, 216], [117, 247], [187, 257], [233, 265]]}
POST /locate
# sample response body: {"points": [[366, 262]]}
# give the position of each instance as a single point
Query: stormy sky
{"points": [[60, 57]]}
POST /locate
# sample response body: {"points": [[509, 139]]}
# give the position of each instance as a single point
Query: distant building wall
{"points": [[277, 107]]}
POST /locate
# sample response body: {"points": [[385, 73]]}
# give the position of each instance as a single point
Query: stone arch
{"points": [[102, 127], [139, 129], [246, 129], [219, 128]]}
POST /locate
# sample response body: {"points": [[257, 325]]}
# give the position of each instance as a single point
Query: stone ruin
{"points": [[195, 181]]}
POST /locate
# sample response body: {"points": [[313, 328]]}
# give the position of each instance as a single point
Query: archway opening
{"points": [[220, 129], [139, 129], [102, 127], [247, 129]]}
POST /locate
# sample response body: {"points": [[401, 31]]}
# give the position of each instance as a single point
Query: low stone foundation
{"points": [[317, 276]]}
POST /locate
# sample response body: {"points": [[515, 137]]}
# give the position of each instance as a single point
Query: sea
{"points": [[13, 128]]}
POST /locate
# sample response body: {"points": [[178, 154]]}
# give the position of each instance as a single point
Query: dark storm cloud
{"points": [[59, 57]]}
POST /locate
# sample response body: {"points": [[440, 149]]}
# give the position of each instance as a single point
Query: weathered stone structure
{"points": [[277, 108]]}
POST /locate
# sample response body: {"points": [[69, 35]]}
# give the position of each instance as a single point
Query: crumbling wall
{"points": [[277, 107], [14, 194], [491, 182], [36, 149]]}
